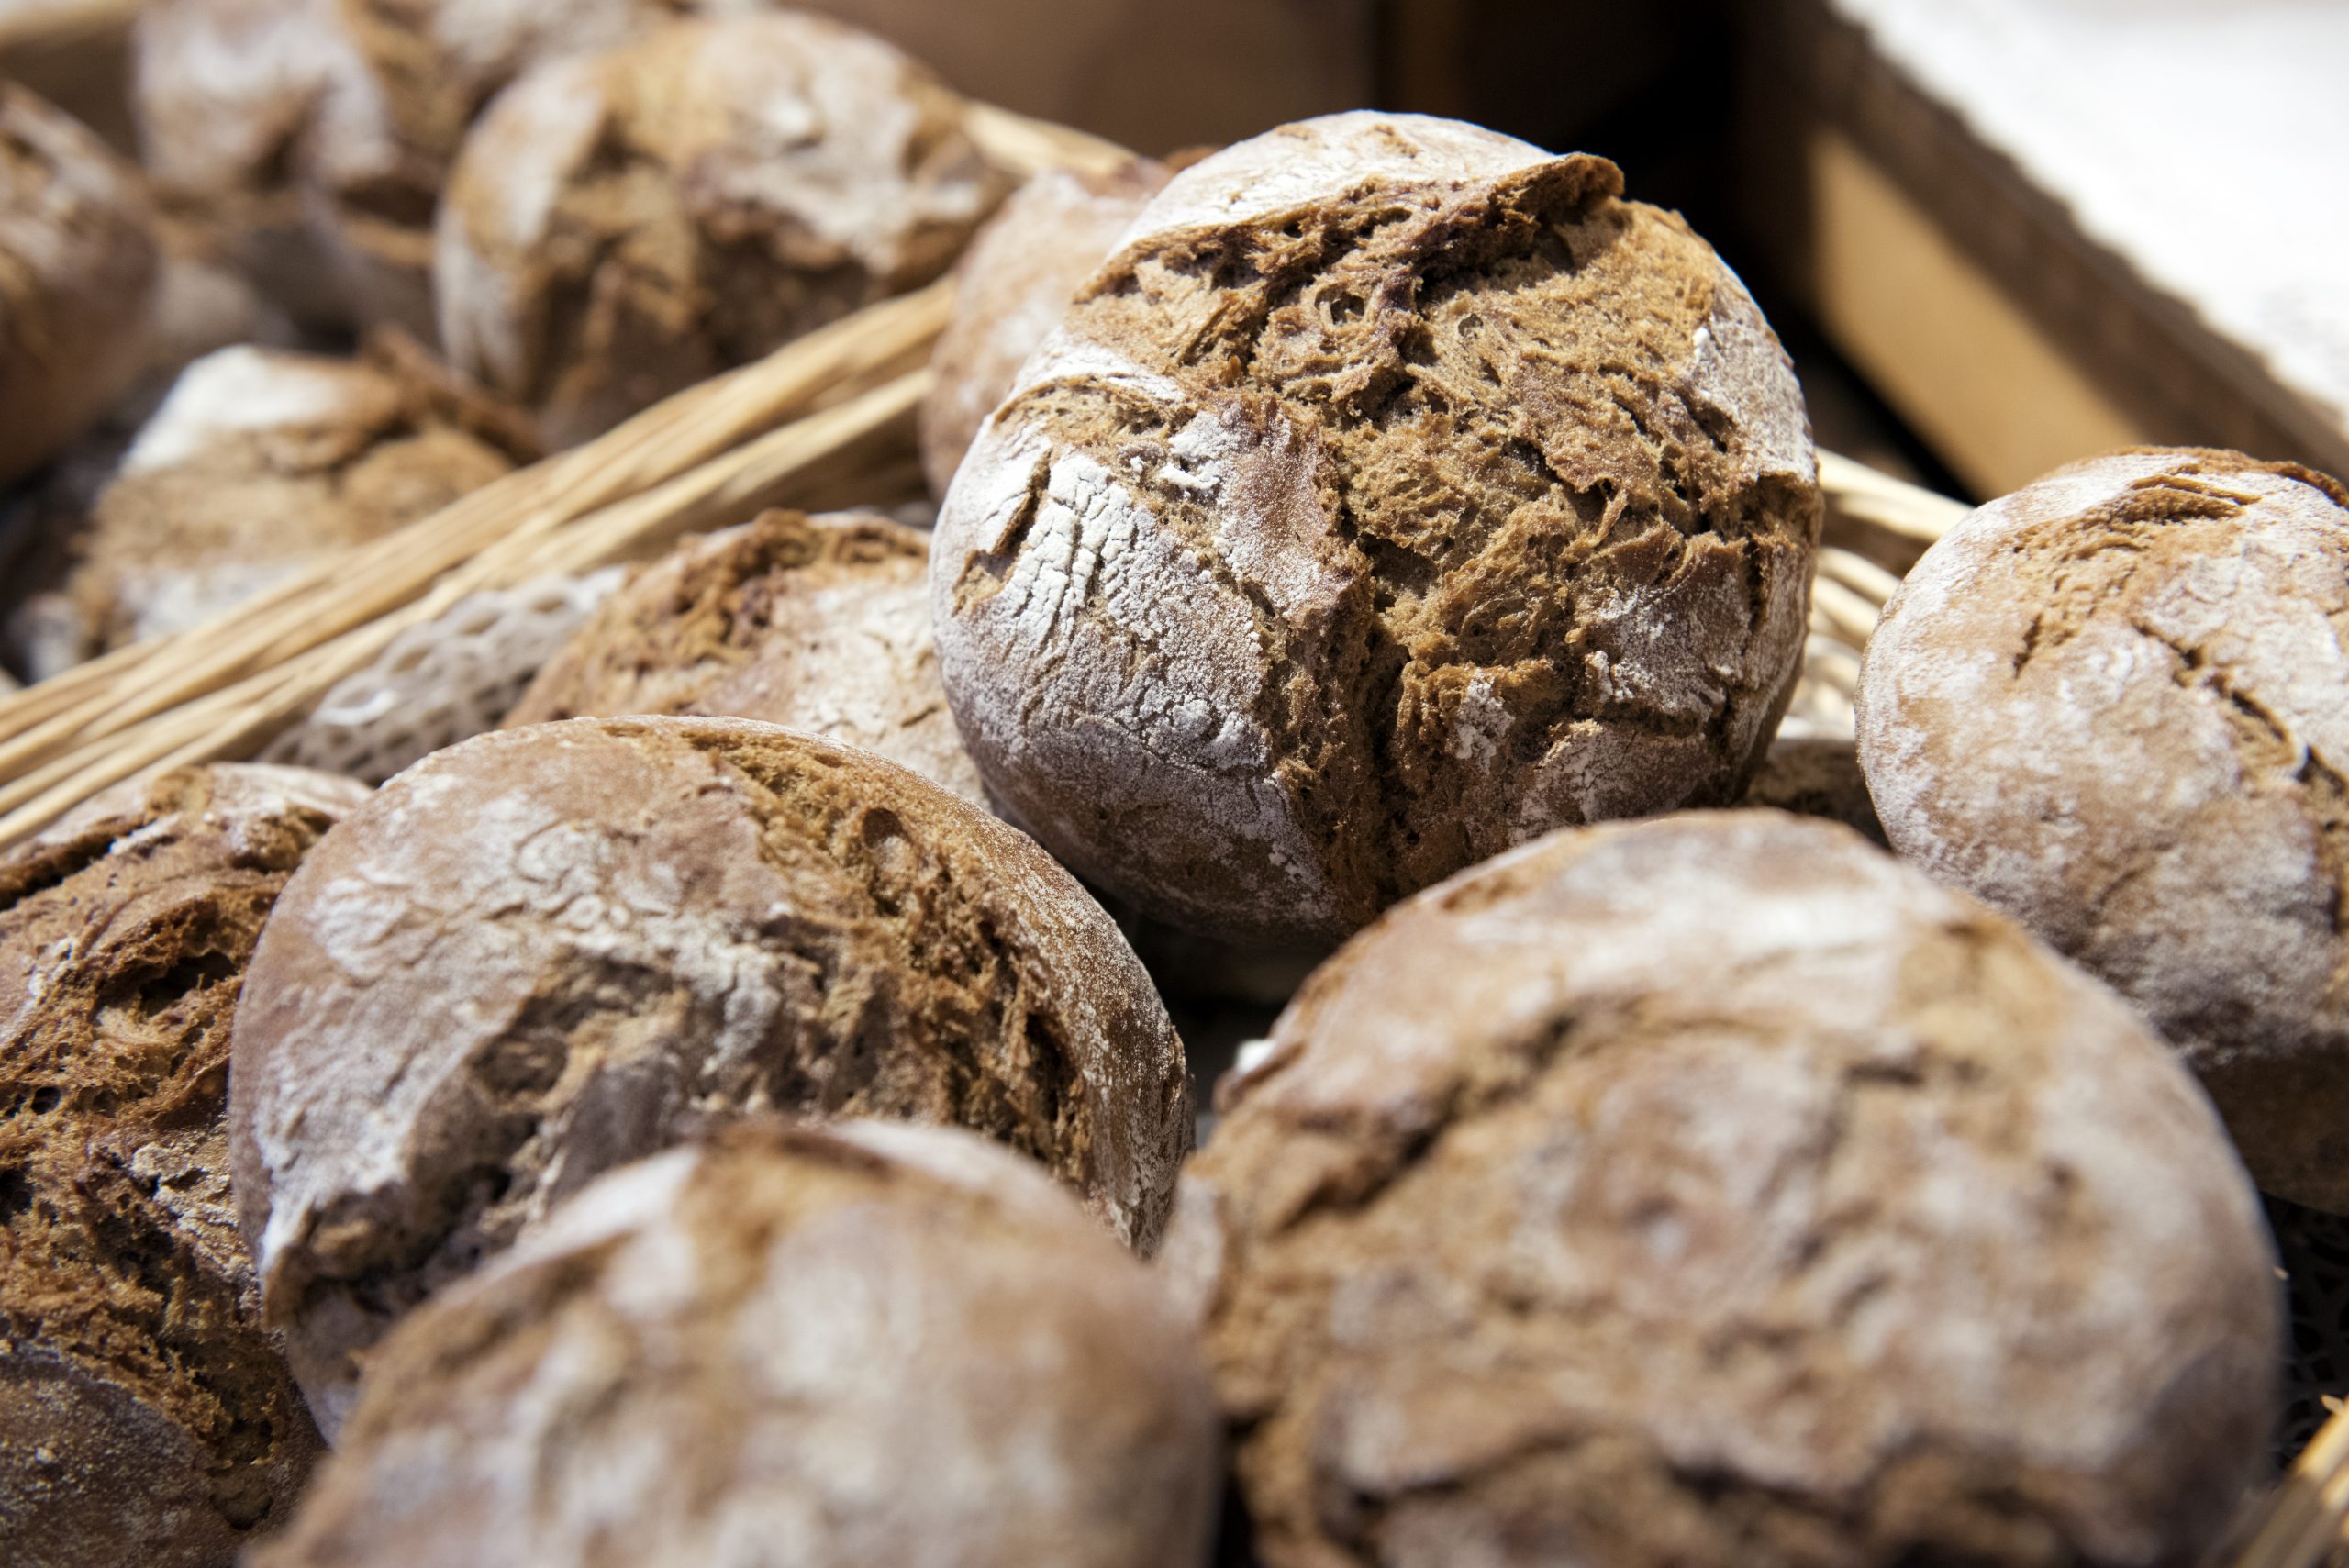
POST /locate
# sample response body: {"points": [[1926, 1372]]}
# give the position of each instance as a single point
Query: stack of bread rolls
{"points": [[716, 1117]]}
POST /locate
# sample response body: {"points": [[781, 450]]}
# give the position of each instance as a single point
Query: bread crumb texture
{"points": [[2115, 705], [820, 624], [543, 952], [877, 1344], [145, 1415], [1395, 493], [1718, 1190], [624, 224], [1011, 287]]}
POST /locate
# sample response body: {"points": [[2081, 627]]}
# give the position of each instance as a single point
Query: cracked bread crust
{"points": [[1395, 493], [2115, 705], [78, 271], [819, 624], [146, 1415], [258, 463], [1011, 287], [543, 952], [867, 1344], [624, 224], [1878, 1236]]}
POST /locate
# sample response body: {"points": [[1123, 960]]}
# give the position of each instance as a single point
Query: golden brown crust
{"points": [[819, 624], [2115, 705], [145, 1415], [877, 1344], [1397, 492], [78, 269], [1716, 1190], [623, 224], [546, 951], [1011, 287]]}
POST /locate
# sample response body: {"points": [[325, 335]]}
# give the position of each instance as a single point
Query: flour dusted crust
{"points": [[819, 624], [78, 267], [858, 1346], [624, 224], [2115, 705], [259, 462], [320, 132], [1717, 1190], [1011, 287], [1395, 493], [145, 1414], [546, 951]]}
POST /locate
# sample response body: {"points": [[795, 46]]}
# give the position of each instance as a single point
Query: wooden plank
{"points": [[1948, 348]]}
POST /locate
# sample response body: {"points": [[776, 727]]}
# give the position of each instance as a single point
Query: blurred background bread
{"points": [[78, 271]]}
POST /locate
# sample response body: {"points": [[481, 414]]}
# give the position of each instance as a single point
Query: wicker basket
{"points": [[827, 420]]}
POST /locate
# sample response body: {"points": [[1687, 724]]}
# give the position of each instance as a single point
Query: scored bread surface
{"points": [[1395, 492], [545, 951]]}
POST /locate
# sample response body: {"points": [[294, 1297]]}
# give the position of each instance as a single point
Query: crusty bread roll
{"points": [[546, 951], [1395, 494], [820, 624], [318, 133], [259, 462], [873, 1344], [1717, 1190], [2115, 705], [146, 1417], [1011, 287], [623, 224], [78, 266]]}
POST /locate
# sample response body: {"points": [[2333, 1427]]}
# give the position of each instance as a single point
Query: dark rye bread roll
{"points": [[79, 266], [546, 951], [1011, 287], [1717, 1190], [873, 1344], [146, 1417], [1395, 493], [820, 624], [623, 224], [2115, 705]]}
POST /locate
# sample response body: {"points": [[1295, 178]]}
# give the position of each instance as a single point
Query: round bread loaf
{"points": [[321, 131], [543, 952], [257, 463], [873, 1344], [1718, 1190], [2115, 705], [624, 224], [1397, 492], [821, 624], [146, 1417], [1012, 286], [78, 268], [1817, 776]]}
